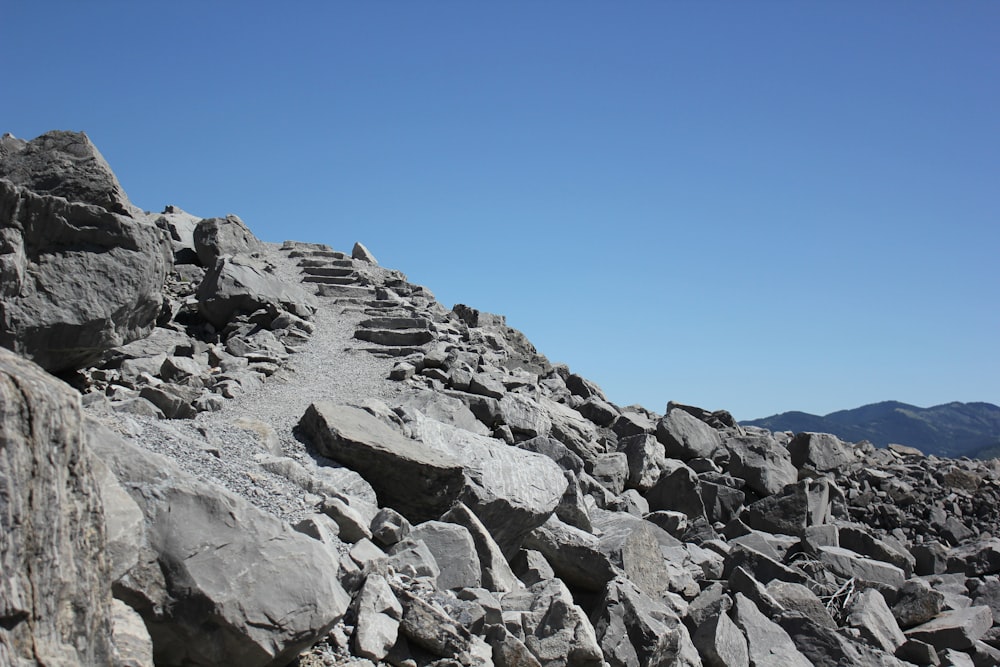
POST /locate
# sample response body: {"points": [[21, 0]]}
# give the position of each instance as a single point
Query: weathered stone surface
{"points": [[799, 598], [645, 460], [497, 575], [575, 556], [241, 284], [685, 437], [524, 416], [761, 462], [377, 613], [870, 615], [917, 602], [363, 254], [847, 564], [75, 280], [428, 627], [133, 647], [635, 630], [819, 452], [792, 510], [557, 631], [215, 237], [958, 628], [225, 582], [64, 164], [720, 642], [511, 490], [767, 642], [453, 550], [55, 596], [976, 559], [416, 480], [677, 490]]}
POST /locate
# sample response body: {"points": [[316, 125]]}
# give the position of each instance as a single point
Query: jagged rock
{"points": [[430, 628], [575, 555], [556, 451], [720, 642], [861, 541], [511, 490], [847, 564], [215, 237], [741, 581], [819, 452], [389, 527], [635, 630], [496, 572], [722, 502], [377, 616], [918, 652], [453, 551], [409, 476], [361, 253], [958, 628], [176, 402], [241, 284], [792, 510], [611, 470], [443, 408], [976, 559], [55, 597], [179, 226], [524, 416], [870, 615], [685, 437], [223, 578], [413, 559], [557, 631], [645, 460], [677, 490], [75, 280], [799, 598], [64, 164], [573, 430], [826, 647], [767, 642], [508, 650], [761, 462], [531, 567], [598, 411]]}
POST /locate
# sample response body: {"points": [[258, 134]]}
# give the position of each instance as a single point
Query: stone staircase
{"points": [[394, 325]]}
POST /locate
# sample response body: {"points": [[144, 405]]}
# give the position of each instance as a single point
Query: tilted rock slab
{"points": [[242, 284], [221, 582], [75, 280], [55, 597]]}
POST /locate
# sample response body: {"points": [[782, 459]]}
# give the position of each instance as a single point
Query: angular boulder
{"points": [[64, 164], [686, 437], [75, 280], [55, 592], [220, 581], [764, 464], [241, 284], [214, 237]]}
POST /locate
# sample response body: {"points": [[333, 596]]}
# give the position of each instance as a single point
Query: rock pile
{"points": [[483, 507]]}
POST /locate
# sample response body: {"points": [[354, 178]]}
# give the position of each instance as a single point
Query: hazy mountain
{"points": [[951, 429]]}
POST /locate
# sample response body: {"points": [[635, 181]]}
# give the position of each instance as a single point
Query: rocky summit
{"points": [[220, 451]]}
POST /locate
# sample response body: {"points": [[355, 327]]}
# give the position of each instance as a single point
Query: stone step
{"points": [[396, 323], [395, 337], [326, 254], [327, 271], [302, 245], [386, 352], [358, 292], [331, 280], [342, 263]]}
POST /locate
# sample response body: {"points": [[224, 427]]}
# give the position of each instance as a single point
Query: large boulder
{"points": [[686, 437], [760, 461], [75, 280], [242, 284], [219, 581], [64, 164], [55, 594], [214, 237]]}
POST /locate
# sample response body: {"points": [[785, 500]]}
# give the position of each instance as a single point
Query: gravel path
{"points": [[215, 447]]}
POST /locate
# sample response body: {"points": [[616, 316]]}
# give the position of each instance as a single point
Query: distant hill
{"points": [[951, 429]]}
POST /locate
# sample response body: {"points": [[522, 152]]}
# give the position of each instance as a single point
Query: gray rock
{"points": [[611, 470], [531, 567], [413, 559], [215, 237], [820, 452], [677, 490], [75, 280], [917, 602], [573, 430], [241, 284], [574, 555], [389, 527], [55, 597], [454, 552], [767, 642], [635, 630], [133, 646], [180, 228], [976, 559], [645, 460], [524, 416], [431, 629], [858, 539], [511, 490], [361, 253], [826, 647], [720, 642], [799, 598], [847, 564], [685, 437], [761, 462], [958, 629], [176, 402], [870, 615], [598, 411], [917, 652], [556, 451], [496, 573], [508, 650], [443, 408], [557, 631], [378, 614], [224, 579], [793, 509], [65, 164], [409, 476]]}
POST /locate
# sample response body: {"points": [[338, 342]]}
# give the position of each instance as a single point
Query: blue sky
{"points": [[758, 207]]}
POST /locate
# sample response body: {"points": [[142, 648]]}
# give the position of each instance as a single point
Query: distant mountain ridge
{"points": [[951, 429]]}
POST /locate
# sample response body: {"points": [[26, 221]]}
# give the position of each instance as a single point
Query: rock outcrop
{"points": [[425, 488]]}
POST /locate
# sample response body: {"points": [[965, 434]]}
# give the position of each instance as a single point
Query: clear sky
{"points": [[753, 206]]}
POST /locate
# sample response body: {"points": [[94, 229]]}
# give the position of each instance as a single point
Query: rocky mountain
{"points": [[219, 451], [951, 429]]}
